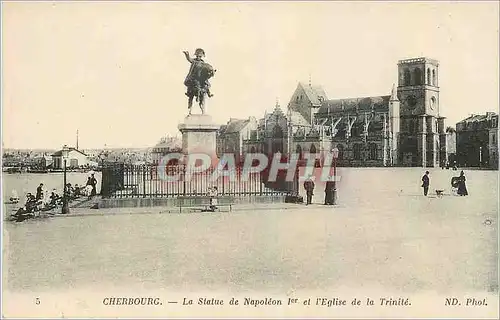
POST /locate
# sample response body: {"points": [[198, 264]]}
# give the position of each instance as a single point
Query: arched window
{"points": [[277, 132], [407, 77], [357, 151], [252, 150], [277, 140], [434, 83], [373, 151], [341, 151], [429, 76], [298, 150], [417, 76], [411, 126], [313, 149]]}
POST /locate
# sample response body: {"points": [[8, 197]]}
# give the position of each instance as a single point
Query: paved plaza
{"points": [[383, 233]]}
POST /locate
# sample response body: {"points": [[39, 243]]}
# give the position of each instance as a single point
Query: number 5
{"points": [[37, 300]]}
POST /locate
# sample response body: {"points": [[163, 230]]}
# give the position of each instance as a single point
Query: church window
{"points": [[407, 77], [434, 78], [341, 151], [417, 75], [313, 149], [357, 151], [429, 76], [373, 151], [411, 126], [299, 151], [277, 132]]}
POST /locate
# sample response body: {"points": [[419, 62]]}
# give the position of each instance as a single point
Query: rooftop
{"points": [[315, 94], [59, 153], [479, 117], [359, 104], [418, 60]]}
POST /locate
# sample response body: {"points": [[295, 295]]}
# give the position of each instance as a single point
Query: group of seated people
{"points": [[33, 206], [45, 202]]}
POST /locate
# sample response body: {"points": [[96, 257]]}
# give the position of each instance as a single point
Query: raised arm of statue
{"points": [[186, 53]]}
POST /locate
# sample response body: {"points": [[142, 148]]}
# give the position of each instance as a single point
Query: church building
{"points": [[403, 128]]}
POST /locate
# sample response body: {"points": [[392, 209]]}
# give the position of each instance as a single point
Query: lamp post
{"points": [[104, 175], [102, 156], [65, 207], [335, 153], [480, 156]]}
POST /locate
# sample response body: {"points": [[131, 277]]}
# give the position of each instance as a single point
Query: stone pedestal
{"points": [[199, 135]]}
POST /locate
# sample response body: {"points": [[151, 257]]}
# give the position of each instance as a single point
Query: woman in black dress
{"points": [[462, 188]]}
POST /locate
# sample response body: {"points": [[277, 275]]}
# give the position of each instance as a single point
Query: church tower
{"points": [[418, 92]]}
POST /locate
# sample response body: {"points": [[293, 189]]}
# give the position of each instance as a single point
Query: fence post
{"points": [[104, 192], [260, 183], [144, 181], [223, 185], [183, 180], [296, 182]]}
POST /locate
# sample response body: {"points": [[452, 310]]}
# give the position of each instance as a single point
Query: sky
{"points": [[115, 70]]}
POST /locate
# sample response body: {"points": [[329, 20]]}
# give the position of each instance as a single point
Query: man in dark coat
{"points": [[425, 182], [309, 186], [329, 192], [92, 181], [39, 192]]}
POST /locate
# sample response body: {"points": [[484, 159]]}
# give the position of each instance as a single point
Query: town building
{"points": [[230, 137], [76, 159], [451, 146], [477, 141], [165, 146], [403, 128], [42, 162]]}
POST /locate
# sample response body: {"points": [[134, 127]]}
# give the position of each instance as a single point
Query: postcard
{"points": [[221, 159]]}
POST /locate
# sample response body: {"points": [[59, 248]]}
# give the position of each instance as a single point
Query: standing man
{"points": [[93, 183], [39, 192], [309, 186], [425, 182]]}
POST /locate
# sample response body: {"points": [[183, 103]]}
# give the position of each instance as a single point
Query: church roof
{"points": [[315, 94], [234, 125], [359, 104], [297, 119]]}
